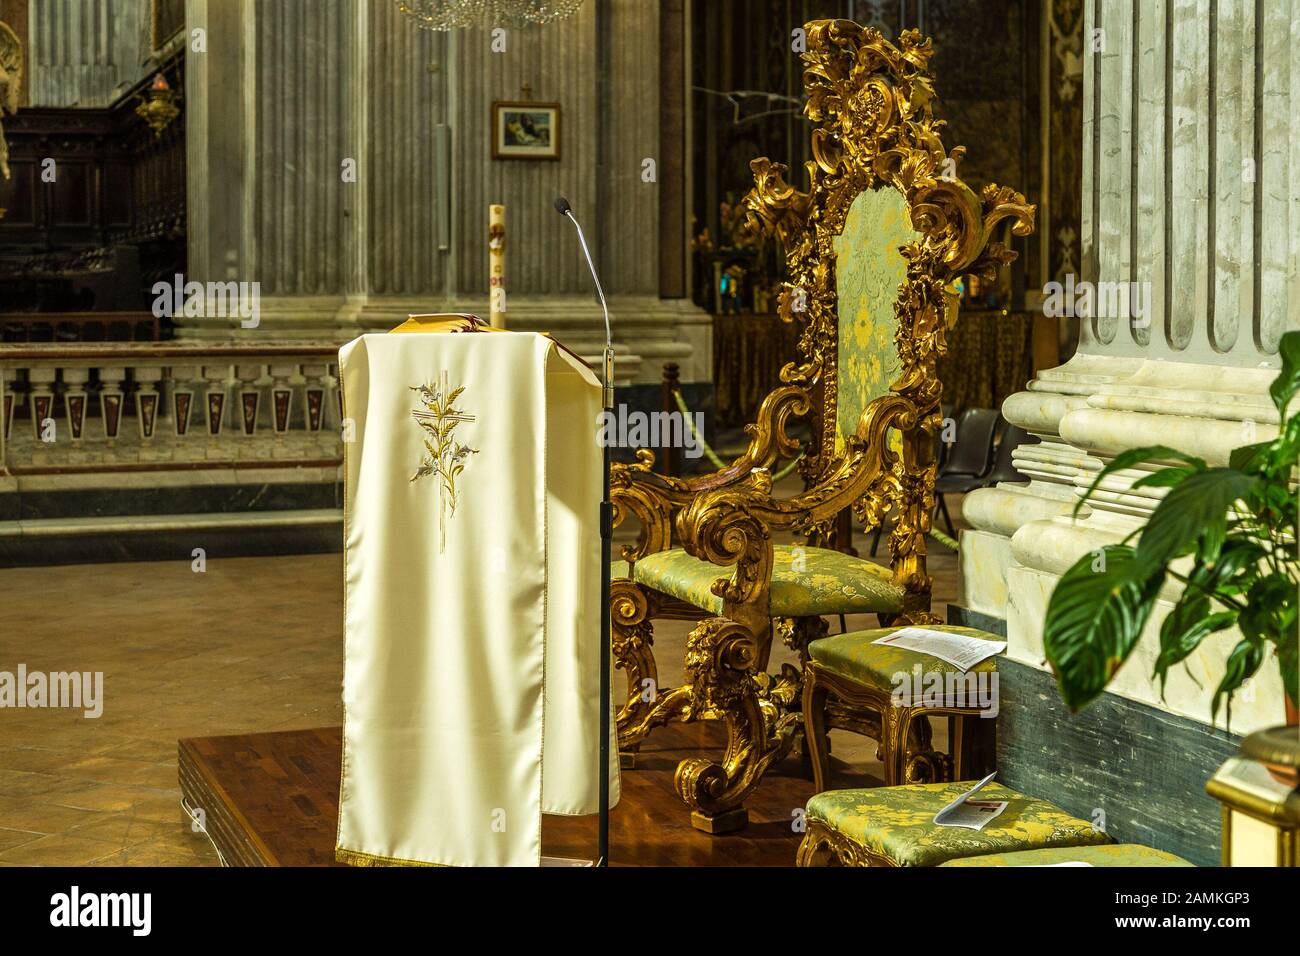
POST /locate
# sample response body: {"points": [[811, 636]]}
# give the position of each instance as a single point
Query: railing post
{"points": [[670, 454], [146, 399], [183, 378], [74, 400], [111, 400]]}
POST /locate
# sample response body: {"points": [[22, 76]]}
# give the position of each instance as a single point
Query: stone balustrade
{"points": [[117, 408]]}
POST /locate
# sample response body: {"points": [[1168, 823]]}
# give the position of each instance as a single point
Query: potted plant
{"points": [[1239, 526]]}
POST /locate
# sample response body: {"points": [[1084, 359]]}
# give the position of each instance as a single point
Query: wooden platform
{"points": [[272, 800]]}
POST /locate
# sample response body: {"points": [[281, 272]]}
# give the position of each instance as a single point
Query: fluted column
{"points": [[220, 140], [1176, 198], [85, 52]]}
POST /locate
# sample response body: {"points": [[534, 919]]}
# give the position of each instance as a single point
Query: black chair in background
{"points": [[971, 448], [968, 460]]}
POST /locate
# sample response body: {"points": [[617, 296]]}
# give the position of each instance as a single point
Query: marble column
{"points": [[221, 107], [85, 52], [1191, 159]]}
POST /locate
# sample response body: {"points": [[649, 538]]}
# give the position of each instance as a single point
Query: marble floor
{"points": [[249, 644]]}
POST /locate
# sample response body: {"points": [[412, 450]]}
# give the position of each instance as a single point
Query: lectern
{"points": [[472, 594]]}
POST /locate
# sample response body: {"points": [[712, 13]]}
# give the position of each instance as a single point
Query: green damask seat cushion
{"points": [[618, 569], [855, 656], [1114, 854], [805, 582], [898, 823]]}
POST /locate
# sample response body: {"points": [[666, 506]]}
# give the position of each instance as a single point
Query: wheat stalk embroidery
{"points": [[444, 457]]}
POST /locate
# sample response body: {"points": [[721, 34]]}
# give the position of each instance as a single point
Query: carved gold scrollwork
{"points": [[720, 660]]}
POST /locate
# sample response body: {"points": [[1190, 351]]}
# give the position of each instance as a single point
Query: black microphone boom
{"points": [[606, 554]]}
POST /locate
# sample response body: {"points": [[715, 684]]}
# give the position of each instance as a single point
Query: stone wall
{"points": [[290, 90], [1191, 168], [85, 52]]}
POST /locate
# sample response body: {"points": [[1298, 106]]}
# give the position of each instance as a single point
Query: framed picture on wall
{"points": [[525, 130]]}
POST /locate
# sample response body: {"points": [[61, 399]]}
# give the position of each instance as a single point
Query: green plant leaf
{"points": [[1136, 456], [1195, 508], [1189, 623], [1270, 605], [1165, 477], [1287, 382], [1250, 458], [1288, 662], [1241, 666], [1094, 619]]}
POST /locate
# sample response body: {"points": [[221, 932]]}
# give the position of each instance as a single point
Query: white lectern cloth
{"points": [[471, 635]]}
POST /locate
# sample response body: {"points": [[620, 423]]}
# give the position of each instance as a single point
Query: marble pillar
{"points": [[1191, 162], [85, 52]]}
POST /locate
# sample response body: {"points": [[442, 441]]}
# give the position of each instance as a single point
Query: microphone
{"points": [[606, 554], [564, 209]]}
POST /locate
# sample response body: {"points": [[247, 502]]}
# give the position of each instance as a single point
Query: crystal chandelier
{"points": [[454, 14]]}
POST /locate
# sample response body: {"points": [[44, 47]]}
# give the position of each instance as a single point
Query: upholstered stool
{"points": [[894, 826], [850, 672], [1115, 854]]}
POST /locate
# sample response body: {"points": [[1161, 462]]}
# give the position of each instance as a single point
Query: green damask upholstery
{"points": [[618, 569], [868, 272], [805, 582], [1116, 854], [853, 655], [898, 823]]}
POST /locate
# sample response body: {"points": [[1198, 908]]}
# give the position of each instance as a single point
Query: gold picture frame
{"points": [[523, 130]]}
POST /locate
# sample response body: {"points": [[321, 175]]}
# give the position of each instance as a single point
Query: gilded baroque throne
{"points": [[884, 228]]}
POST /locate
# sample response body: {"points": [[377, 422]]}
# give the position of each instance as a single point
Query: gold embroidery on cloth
{"points": [[444, 457]]}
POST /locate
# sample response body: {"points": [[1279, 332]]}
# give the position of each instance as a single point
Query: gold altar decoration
{"points": [[11, 81], [869, 101]]}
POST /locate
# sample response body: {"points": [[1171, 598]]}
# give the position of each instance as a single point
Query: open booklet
{"points": [[959, 650], [970, 814]]}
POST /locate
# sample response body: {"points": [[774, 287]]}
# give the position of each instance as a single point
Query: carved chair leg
{"points": [[645, 706], [816, 849], [720, 661], [633, 653], [814, 729], [891, 750]]}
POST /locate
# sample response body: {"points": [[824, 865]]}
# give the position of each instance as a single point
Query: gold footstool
{"points": [[1116, 854], [850, 673], [894, 826]]}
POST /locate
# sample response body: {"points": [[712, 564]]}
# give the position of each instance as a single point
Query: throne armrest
{"points": [[656, 499], [734, 525]]}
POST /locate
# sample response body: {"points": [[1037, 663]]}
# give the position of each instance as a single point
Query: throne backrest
{"points": [[869, 270], [884, 229]]}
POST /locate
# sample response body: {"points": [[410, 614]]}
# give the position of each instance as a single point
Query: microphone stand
{"points": [[606, 556]]}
